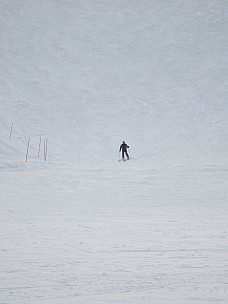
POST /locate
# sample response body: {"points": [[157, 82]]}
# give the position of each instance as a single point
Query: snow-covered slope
{"points": [[89, 74], [123, 235]]}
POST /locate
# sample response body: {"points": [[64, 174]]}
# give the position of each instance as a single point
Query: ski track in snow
{"points": [[114, 234]]}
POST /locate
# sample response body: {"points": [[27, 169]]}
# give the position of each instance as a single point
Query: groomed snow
{"points": [[82, 227], [116, 234]]}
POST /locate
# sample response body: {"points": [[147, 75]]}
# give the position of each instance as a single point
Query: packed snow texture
{"points": [[82, 227]]}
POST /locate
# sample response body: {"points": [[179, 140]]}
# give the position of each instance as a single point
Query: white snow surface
{"points": [[82, 227]]}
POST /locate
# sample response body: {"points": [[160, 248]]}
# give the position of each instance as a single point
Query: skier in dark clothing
{"points": [[124, 148]]}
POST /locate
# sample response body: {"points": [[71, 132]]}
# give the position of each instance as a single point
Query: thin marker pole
{"points": [[11, 130], [39, 146], [46, 149], [26, 158]]}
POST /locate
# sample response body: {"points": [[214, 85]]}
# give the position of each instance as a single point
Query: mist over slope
{"points": [[89, 74]]}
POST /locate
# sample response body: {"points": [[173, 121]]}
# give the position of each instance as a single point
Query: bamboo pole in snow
{"points": [[26, 157], [39, 146], [45, 149], [11, 129]]}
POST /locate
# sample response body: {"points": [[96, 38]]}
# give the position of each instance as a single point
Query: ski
{"points": [[119, 160]]}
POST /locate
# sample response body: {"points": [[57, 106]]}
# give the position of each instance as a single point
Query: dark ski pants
{"points": [[125, 151]]}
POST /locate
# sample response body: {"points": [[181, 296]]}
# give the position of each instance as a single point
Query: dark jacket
{"points": [[123, 147]]}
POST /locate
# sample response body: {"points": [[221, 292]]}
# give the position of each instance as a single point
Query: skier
{"points": [[124, 148]]}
